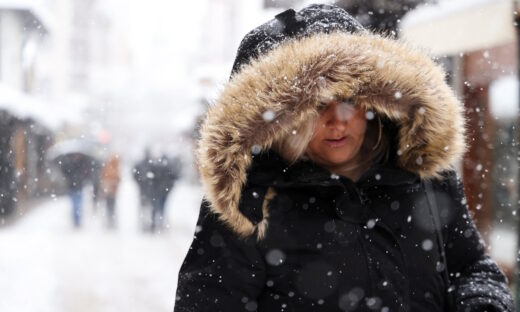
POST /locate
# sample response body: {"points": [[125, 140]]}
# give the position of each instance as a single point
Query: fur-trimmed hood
{"points": [[280, 90]]}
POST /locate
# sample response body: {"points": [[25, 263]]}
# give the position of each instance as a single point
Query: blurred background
{"points": [[99, 106]]}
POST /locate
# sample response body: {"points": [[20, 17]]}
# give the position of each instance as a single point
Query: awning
{"points": [[38, 13], [25, 106], [454, 26]]}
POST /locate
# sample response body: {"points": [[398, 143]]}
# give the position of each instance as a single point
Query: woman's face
{"points": [[338, 135]]}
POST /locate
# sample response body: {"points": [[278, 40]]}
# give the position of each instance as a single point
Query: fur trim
{"points": [[262, 225], [396, 81]]}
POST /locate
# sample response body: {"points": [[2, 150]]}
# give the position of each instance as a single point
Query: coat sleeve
{"points": [[220, 272], [477, 282]]}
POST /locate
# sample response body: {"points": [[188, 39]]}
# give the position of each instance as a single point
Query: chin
{"points": [[338, 159]]}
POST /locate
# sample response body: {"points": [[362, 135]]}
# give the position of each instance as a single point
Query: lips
{"points": [[336, 142]]}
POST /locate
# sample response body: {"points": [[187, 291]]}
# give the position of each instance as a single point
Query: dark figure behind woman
{"points": [[165, 171]]}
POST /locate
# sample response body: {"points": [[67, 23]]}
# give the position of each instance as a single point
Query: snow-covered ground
{"points": [[47, 265]]}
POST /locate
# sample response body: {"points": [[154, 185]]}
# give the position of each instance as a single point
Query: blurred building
{"points": [[476, 42], [61, 64], [26, 129], [85, 65]]}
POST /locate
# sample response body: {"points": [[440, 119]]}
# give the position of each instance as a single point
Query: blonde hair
{"points": [[292, 146], [375, 148]]}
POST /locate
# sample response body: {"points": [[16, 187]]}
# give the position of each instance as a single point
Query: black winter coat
{"points": [[335, 245], [165, 173], [77, 169], [143, 175], [280, 234]]}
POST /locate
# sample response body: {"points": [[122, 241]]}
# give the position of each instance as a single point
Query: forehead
{"points": [[326, 100], [339, 104]]}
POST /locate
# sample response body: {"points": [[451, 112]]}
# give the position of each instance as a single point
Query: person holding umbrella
{"points": [[77, 160], [76, 169]]}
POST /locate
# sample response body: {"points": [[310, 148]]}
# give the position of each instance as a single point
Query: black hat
{"points": [[289, 24]]}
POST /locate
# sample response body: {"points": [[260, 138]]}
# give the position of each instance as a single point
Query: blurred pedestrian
{"points": [[77, 170], [143, 176], [164, 171], [97, 194], [110, 183]]}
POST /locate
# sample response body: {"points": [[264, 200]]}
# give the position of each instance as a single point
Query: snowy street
{"points": [[47, 265], [352, 155]]}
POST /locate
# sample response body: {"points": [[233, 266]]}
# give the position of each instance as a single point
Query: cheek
{"points": [[358, 127], [314, 144], [360, 131], [318, 134]]}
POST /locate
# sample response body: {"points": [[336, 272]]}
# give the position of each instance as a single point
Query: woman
{"points": [[110, 182], [314, 160]]}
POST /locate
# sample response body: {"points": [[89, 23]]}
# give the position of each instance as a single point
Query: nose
{"points": [[336, 123], [338, 115]]}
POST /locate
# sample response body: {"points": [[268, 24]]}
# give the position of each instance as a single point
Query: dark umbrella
{"points": [[75, 146], [380, 15], [77, 168], [79, 160]]}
